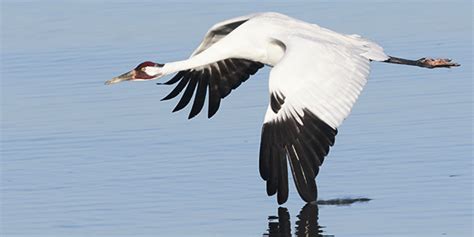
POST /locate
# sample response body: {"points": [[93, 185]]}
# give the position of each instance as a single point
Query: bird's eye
{"points": [[143, 68]]}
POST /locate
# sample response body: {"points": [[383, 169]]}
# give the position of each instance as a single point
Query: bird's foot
{"points": [[439, 62]]}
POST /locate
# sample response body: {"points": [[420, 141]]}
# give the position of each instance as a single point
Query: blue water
{"points": [[82, 159]]}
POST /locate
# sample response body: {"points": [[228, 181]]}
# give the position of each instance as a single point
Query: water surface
{"points": [[82, 159]]}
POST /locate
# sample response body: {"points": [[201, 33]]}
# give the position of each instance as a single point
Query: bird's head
{"points": [[144, 71]]}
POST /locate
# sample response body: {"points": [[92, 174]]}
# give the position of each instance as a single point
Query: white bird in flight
{"points": [[317, 75]]}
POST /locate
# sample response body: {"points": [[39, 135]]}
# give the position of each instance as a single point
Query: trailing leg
{"points": [[424, 62]]}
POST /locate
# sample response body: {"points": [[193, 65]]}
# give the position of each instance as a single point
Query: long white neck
{"points": [[206, 57], [229, 47]]}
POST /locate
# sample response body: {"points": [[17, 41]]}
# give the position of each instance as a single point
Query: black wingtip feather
{"points": [[305, 185], [176, 78], [282, 196], [223, 77], [305, 147], [175, 92], [274, 171], [264, 158], [214, 95], [200, 95], [188, 93]]}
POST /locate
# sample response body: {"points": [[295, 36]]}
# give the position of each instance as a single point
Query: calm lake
{"points": [[82, 159]]}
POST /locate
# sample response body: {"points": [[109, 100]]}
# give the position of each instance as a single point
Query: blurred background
{"points": [[82, 159]]}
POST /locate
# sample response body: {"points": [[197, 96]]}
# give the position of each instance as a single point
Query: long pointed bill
{"points": [[124, 77]]}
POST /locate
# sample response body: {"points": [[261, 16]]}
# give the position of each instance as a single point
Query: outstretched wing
{"points": [[312, 90], [217, 78], [219, 31]]}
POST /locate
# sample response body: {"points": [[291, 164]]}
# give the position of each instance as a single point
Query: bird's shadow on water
{"points": [[307, 220]]}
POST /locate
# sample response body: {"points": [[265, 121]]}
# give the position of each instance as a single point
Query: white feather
{"points": [[152, 71]]}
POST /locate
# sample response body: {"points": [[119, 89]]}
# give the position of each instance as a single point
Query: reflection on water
{"points": [[279, 225], [306, 225]]}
